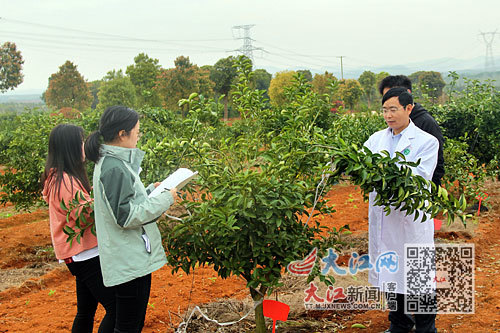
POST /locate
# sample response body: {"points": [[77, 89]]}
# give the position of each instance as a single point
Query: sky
{"points": [[101, 35]]}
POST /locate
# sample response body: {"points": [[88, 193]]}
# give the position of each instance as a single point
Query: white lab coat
{"points": [[391, 233]]}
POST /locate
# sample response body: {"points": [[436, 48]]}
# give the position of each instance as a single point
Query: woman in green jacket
{"points": [[130, 246]]}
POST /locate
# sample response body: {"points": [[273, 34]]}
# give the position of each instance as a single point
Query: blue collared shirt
{"points": [[394, 141]]}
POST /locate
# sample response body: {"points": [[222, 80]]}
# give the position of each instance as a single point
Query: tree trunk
{"points": [[184, 110], [260, 322], [226, 114]]}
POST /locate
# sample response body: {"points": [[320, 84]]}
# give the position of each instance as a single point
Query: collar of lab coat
{"points": [[406, 135]]}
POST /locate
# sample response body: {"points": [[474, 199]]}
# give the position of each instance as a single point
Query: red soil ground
{"points": [[47, 303]]}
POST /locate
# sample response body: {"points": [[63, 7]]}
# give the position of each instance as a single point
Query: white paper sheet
{"points": [[177, 179]]}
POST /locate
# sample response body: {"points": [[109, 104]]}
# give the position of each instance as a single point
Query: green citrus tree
{"points": [[248, 215]]}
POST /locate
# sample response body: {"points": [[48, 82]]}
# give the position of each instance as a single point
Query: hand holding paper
{"points": [[177, 180]]}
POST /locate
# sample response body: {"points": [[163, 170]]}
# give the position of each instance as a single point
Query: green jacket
{"points": [[123, 213]]}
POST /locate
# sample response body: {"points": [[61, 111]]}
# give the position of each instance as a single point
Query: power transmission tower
{"points": [[247, 48], [489, 60]]}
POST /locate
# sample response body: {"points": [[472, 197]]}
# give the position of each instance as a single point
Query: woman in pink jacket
{"points": [[64, 176]]}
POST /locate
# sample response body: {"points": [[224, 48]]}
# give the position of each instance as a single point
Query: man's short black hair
{"points": [[402, 94], [393, 81]]}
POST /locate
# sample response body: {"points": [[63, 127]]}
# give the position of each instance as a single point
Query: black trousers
{"points": [[402, 322], [131, 304], [90, 290]]}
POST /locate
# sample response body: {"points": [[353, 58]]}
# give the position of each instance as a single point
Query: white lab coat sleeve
{"points": [[428, 155], [368, 143]]}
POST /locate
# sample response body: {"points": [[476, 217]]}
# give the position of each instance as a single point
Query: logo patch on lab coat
{"points": [[406, 151]]}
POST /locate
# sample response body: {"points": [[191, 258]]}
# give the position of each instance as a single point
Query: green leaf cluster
{"points": [[25, 149], [82, 211], [472, 114], [395, 184]]}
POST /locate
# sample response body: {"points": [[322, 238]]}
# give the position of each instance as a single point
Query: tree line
{"points": [[145, 83]]}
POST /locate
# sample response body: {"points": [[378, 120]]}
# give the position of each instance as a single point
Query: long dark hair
{"points": [[65, 156], [113, 120]]}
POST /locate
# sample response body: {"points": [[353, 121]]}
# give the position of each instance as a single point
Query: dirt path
{"points": [[41, 297], [46, 302]]}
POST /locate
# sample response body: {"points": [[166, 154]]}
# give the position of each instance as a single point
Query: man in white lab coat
{"points": [[389, 234]]}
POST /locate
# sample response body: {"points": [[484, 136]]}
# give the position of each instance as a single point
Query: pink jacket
{"points": [[57, 217]]}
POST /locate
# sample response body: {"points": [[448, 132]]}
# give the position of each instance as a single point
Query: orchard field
{"points": [[246, 216], [37, 294]]}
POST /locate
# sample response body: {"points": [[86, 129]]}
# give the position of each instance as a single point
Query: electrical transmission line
{"points": [[65, 36], [489, 60], [247, 48]]}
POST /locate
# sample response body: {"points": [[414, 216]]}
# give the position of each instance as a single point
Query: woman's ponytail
{"points": [[92, 146], [113, 120]]}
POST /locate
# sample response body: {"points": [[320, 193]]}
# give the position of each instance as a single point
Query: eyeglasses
{"points": [[391, 109]]}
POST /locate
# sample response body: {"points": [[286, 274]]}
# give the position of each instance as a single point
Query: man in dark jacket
{"points": [[420, 117]]}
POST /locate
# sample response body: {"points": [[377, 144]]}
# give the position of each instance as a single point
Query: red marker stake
{"points": [[437, 224], [481, 198], [275, 310]]}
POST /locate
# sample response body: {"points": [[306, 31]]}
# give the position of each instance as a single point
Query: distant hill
{"points": [[28, 98], [18, 103], [481, 76]]}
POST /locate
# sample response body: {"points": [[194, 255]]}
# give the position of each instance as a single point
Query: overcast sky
{"points": [[100, 35]]}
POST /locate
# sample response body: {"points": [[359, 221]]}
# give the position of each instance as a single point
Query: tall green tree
{"points": [[262, 79], [277, 87], [205, 85], [368, 79], [379, 77], [143, 74], [322, 83], [350, 92], [207, 68], [223, 74], [11, 65], [68, 88], [94, 87], [428, 82], [177, 83], [116, 89], [307, 74]]}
